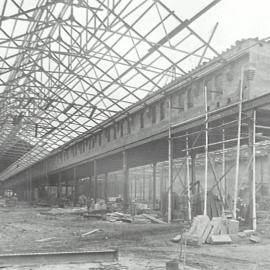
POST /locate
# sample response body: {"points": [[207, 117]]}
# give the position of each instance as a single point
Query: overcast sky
{"points": [[237, 19]]}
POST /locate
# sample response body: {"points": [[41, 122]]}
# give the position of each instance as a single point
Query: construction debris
{"points": [[115, 216], [137, 219], [92, 216], [220, 239], [45, 239], [154, 220], [233, 226], [177, 238], [62, 211], [203, 230], [172, 265], [215, 228], [89, 233], [254, 239], [248, 232], [198, 228], [140, 219], [241, 234]]}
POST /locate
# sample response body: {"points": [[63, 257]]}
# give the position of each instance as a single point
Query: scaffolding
{"points": [[220, 183]]}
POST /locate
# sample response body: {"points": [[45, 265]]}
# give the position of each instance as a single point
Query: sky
{"points": [[237, 19]]}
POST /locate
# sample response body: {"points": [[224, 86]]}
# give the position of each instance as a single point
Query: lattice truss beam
{"points": [[67, 66]]}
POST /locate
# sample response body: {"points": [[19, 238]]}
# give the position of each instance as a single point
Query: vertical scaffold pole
{"points": [[206, 152], [188, 179], [238, 145], [170, 166], [95, 180], [223, 168], [254, 216]]}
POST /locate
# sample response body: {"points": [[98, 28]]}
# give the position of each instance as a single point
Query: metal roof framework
{"points": [[68, 66]]}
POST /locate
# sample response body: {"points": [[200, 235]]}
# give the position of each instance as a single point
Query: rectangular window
{"points": [[218, 85], [81, 147], [108, 131], [162, 110], [94, 140], [181, 101], [99, 138], [196, 89], [74, 150], [190, 98], [114, 132], [128, 126], [89, 143], [121, 129], [142, 119], [153, 114], [65, 154]]}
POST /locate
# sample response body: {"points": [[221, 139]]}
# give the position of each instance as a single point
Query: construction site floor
{"points": [[141, 246]]}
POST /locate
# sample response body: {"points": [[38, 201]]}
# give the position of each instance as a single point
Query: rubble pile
{"points": [[136, 219]]}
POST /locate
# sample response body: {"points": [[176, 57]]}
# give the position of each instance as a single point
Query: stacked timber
{"points": [[216, 231]]}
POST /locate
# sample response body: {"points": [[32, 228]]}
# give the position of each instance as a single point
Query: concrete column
{"points": [[154, 184], [161, 185], [262, 174], [91, 188], [26, 184], [126, 181], [59, 187], [106, 187], [66, 191], [75, 179], [143, 190], [30, 185], [95, 179]]}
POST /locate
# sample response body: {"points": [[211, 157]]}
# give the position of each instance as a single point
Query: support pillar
{"points": [[143, 189], [66, 190], [75, 197], [30, 185], [224, 168], [95, 179], [90, 190], [188, 180], [154, 184], [106, 187], [59, 187], [206, 153], [126, 181], [161, 185], [170, 166], [251, 170], [235, 198]]}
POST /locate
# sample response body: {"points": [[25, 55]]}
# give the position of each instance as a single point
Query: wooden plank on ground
{"points": [[220, 239], [91, 232], [155, 220]]}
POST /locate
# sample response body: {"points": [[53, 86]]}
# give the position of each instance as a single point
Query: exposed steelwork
{"points": [[48, 258], [66, 67]]}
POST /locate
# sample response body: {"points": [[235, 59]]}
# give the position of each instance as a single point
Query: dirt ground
{"points": [[141, 246]]}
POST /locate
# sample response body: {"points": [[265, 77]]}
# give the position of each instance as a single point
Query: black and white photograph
{"points": [[135, 134]]}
